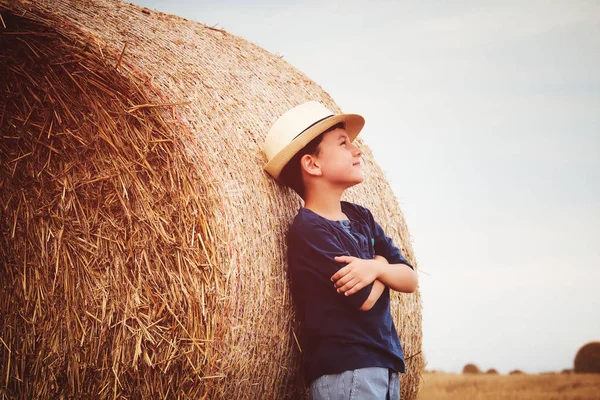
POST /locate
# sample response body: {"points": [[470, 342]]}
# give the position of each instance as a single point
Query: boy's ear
{"points": [[310, 164]]}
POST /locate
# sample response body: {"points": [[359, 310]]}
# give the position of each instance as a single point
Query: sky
{"points": [[485, 117]]}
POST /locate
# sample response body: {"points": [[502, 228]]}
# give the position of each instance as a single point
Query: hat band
{"points": [[310, 126]]}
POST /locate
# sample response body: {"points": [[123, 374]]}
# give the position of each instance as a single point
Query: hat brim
{"points": [[353, 125]]}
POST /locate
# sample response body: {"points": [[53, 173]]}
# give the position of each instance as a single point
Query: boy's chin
{"points": [[356, 181]]}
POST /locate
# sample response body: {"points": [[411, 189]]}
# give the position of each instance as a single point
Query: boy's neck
{"points": [[325, 203]]}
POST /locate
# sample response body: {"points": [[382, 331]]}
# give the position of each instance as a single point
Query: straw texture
{"points": [[142, 250]]}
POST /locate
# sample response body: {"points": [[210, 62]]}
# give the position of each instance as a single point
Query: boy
{"points": [[341, 263]]}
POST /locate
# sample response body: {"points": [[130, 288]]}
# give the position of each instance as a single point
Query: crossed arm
{"points": [[359, 273]]}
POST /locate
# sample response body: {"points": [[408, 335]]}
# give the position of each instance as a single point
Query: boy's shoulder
{"points": [[307, 221]]}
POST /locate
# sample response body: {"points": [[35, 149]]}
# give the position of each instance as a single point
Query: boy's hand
{"points": [[354, 276]]}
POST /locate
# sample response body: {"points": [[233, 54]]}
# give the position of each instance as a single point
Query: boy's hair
{"points": [[291, 174]]}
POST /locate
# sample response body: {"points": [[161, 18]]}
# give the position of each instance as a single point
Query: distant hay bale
{"points": [[491, 371], [471, 369], [587, 359], [142, 246], [516, 372]]}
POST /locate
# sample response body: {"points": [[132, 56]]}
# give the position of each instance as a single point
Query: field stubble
{"points": [[443, 386]]}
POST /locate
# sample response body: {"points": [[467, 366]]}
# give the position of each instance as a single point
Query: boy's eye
{"points": [[344, 142]]}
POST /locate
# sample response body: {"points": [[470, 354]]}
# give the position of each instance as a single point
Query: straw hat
{"points": [[297, 127]]}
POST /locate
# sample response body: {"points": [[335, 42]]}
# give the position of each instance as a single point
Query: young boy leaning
{"points": [[341, 264]]}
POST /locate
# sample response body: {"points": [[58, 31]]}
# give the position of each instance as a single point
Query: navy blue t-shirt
{"points": [[337, 336]]}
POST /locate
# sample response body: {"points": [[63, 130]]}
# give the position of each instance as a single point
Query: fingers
{"points": [[358, 286], [343, 280], [342, 272], [349, 285], [346, 259]]}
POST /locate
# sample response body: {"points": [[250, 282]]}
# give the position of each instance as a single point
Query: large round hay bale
{"points": [[491, 371], [471, 369], [587, 359], [142, 245]]}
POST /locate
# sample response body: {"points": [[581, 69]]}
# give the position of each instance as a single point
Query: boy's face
{"points": [[339, 159]]}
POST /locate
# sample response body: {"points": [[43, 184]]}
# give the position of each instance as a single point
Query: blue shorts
{"points": [[364, 384]]}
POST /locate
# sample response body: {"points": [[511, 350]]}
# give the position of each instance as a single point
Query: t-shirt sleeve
{"points": [[384, 246], [311, 252]]}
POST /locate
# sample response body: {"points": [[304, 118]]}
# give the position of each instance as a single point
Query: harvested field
{"points": [[442, 386]]}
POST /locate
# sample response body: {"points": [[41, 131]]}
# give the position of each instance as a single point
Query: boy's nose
{"points": [[357, 152]]}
